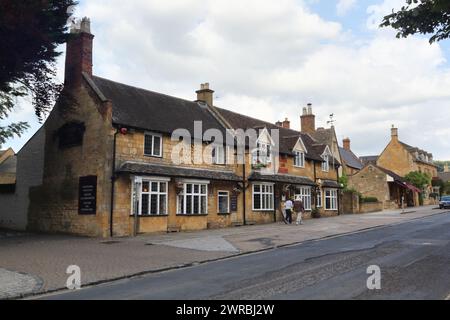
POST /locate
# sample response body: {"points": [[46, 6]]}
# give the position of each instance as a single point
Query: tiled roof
{"points": [[144, 109], [288, 137], [350, 159], [369, 159], [283, 178], [331, 184], [172, 171]]}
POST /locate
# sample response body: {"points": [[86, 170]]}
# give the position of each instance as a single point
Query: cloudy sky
{"points": [[270, 58]]}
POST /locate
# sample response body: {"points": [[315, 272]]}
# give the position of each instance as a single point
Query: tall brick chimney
{"points": [[286, 124], [346, 144], [394, 133], [205, 94], [79, 53], [308, 120]]}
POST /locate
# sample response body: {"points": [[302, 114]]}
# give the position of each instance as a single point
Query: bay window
{"points": [[304, 194], [331, 202], [263, 197], [193, 199], [149, 196]]}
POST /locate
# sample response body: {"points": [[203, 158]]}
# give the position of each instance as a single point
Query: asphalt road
{"points": [[414, 259]]}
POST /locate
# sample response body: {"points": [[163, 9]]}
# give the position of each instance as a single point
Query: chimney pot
{"points": [[346, 144], [205, 94], [78, 53], [308, 120]]}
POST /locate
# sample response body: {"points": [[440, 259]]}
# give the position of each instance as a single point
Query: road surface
{"points": [[414, 260]]}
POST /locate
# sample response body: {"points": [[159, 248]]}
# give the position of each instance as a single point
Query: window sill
{"points": [[150, 216], [150, 156], [192, 215], [264, 211]]}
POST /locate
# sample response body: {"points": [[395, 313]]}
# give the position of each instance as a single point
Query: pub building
{"points": [[108, 167]]}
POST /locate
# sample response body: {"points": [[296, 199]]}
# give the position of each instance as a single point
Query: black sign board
{"points": [[234, 203], [87, 195]]}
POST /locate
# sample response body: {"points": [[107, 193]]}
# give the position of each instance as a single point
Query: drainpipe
{"points": [[113, 180], [315, 181], [339, 192], [244, 194]]}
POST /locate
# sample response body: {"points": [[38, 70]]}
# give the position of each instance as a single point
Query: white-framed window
{"points": [[299, 159], [326, 163], [319, 203], [262, 153], [219, 155], [304, 194], [263, 197], [153, 144], [193, 199], [223, 202], [331, 200], [149, 196]]}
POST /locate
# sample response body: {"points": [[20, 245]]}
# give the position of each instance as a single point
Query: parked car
{"points": [[445, 202]]}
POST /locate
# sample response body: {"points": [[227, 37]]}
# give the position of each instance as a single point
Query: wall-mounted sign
{"points": [[87, 195]]}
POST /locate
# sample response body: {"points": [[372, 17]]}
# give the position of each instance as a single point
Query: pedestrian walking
{"points": [[300, 209], [288, 206]]}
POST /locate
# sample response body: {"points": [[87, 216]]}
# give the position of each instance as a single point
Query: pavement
{"points": [[410, 260], [36, 263]]}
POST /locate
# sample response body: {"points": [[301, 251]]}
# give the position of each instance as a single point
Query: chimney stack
{"points": [[446, 168], [346, 144], [394, 133], [286, 124], [308, 120], [279, 124], [78, 53], [205, 94]]}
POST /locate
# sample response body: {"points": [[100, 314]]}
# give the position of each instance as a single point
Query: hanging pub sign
{"points": [[87, 195]]}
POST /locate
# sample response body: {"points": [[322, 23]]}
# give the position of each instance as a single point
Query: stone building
{"points": [[383, 175], [351, 164], [116, 161], [28, 170], [388, 187]]}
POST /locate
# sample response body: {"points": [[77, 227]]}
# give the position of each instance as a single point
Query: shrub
{"points": [[368, 199]]}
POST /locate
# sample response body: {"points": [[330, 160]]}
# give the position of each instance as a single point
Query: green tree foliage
{"points": [[418, 179], [30, 32], [423, 17]]}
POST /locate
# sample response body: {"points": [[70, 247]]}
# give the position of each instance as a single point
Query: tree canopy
{"points": [[423, 17], [30, 32], [418, 179]]}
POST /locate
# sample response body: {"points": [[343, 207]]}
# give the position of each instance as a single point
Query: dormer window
{"points": [[299, 159], [219, 155], [262, 154], [326, 163]]}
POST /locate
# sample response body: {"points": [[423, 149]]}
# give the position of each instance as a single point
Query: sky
{"points": [[268, 59]]}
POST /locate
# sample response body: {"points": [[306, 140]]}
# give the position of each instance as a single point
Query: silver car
{"points": [[445, 202]]}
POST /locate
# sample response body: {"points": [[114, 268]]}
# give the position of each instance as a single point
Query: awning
{"points": [[171, 171], [331, 184], [407, 186], [412, 188], [282, 178]]}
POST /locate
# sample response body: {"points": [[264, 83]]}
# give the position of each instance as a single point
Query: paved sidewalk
{"points": [[45, 258]]}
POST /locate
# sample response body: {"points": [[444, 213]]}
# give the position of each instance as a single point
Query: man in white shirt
{"points": [[289, 205]]}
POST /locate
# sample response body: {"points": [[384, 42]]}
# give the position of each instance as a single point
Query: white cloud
{"points": [[344, 6], [269, 58]]}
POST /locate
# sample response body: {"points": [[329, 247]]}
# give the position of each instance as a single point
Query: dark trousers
{"points": [[289, 215]]}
